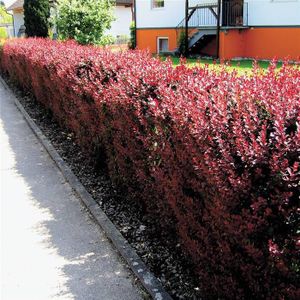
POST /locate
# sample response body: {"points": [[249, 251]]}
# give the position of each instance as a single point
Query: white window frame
{"points": [[157, 8], [162, 38]]}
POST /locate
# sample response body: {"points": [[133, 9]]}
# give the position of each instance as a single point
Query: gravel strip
{"points": [[160, 250]]}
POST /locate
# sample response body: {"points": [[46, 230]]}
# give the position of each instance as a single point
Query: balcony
{"points": [[234, 13]]}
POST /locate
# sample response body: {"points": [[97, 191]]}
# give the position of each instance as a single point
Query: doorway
{"points": [[232, 12]]}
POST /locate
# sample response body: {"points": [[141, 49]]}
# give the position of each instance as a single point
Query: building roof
{"points": [[16, 4]]}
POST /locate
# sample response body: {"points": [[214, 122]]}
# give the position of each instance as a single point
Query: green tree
{"points": [[181, 43], [85, 20], [4, 18], [36, 17], [132, 42]]}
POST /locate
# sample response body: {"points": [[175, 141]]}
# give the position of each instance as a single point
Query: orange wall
{"points": [[280, 42], [261, 43], [147, 38], [232, 44]]}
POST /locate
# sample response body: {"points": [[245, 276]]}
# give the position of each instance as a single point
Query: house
{"points": [[18, 15], [119, 28], [261, 29]]}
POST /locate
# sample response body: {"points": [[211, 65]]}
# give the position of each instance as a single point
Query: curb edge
{"points": [[152, 285]]}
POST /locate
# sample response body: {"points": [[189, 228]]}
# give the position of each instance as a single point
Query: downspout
{"points": [[186, 35], [14, 25], [135, 25], [218, 30]]}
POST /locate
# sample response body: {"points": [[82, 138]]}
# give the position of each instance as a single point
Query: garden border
{"points": [[147, 279]]}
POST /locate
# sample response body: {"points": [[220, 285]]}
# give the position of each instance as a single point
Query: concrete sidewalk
{"points": [[50, 248]]}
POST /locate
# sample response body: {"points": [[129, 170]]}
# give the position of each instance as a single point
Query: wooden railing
{"points": [[233, 13]]}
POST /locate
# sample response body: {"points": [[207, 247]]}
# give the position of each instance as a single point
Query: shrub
{"points": [[85, 20], [5, 18], [3, 33], [36, 17], [132, 42], [214, 154], [181, 43]]}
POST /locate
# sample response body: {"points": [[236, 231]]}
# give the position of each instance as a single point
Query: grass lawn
{"points": [[241, 66]]}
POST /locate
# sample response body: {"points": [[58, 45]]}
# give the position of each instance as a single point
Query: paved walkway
{"points": [[50, 248]]}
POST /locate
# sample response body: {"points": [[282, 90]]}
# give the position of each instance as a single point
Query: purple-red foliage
{"points": [[213, 153]]}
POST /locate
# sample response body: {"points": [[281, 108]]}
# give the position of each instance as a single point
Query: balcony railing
{"points": [[233, 14]]}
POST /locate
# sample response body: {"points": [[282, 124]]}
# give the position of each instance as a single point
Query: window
{"points": [[162, 44], [158, 3]]}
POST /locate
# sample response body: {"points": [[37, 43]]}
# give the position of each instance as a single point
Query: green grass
{"points": [[3, 33], [241, 66]]}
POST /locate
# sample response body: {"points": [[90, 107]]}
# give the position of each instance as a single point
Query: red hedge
{"points": [[215, 154]]}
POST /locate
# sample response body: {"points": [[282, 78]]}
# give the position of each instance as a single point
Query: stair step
{"points": [[200, 34]]}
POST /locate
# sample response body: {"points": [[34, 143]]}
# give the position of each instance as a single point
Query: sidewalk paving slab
{"points": [[50, 247]]}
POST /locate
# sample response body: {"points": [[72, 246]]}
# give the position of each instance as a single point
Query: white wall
{"points": [[273, 12], [18, 22], [122, 23], [260, 13], [169, 16], [10, 31]]}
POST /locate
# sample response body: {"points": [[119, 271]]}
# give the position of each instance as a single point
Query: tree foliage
{"points": [[85, 20], [132, 42], [181, 43], [36, 17], [4, 18]]}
